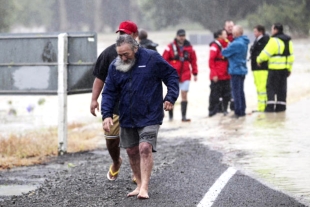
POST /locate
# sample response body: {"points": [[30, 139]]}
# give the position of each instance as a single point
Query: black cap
{"points": [[181, 32]]}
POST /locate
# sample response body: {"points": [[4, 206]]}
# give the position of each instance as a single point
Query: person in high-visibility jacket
{"points": [[260, 73], [279, 54]]}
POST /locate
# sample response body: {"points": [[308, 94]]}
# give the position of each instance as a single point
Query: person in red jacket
{"points": [[220, 79], [181, 55]]}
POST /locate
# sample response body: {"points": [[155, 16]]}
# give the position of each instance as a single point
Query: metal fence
{"points": [[29, 63]]}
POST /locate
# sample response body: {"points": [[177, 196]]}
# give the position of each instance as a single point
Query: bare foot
{"points": [[143, 194], [134, 193]]}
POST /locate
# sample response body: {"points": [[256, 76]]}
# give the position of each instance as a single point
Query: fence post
{"points": [[62, 92]]}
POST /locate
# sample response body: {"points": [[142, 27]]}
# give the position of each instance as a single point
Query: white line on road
{"points": [[216, 188]]}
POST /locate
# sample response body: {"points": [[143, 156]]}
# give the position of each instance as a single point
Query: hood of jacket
{"points": [[243, 39], [147, 43]]}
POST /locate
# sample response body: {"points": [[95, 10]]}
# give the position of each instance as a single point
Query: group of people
{"points": [[132, 73], [271, 62]]}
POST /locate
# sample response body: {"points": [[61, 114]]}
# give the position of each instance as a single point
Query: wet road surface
{"points": [[184, 171]]}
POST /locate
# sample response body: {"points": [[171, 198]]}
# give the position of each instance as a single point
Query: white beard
{"points": [[122, 66]]}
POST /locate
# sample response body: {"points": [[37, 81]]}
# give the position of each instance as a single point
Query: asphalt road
{"points": [[184, 172]]}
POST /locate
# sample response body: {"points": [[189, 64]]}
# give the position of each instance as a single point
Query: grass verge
{"points": [[36, 147]]}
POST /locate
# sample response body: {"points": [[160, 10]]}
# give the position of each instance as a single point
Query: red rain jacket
{"points": [[217, 63], [175, 57]]}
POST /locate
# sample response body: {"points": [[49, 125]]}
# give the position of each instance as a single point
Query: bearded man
{"points": [[136, 77], [100, 72]]}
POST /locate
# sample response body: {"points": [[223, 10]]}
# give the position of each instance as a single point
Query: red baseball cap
{"points": [[128, 27]]}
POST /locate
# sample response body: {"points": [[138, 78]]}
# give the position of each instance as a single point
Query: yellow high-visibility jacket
{"points": [[273, 53]]}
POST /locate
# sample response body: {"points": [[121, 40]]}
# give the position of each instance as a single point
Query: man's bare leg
{"points": [[146, 165], [134, 159], [114, 151]]}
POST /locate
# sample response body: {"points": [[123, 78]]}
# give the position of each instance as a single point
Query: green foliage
{"points": [[163, 13], [75, 15], [212, 14], [6, 9], [32, 12], [41, 101], [294, 15], [209, 13]]}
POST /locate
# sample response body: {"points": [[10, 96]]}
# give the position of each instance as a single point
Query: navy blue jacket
{"points": [[236, 53], [140, 90]]}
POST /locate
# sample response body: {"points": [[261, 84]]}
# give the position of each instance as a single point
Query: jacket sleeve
{"points": [[194, 62], [166, 53], [109, 95], [170, 78], [212, 58], [291, 58], [268, 51], [230, 50]]}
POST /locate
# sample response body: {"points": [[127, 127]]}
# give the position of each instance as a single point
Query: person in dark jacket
{"points": [[260, 72], [145, 42], [100, 72], [136, 76], [220, 79], [236, 53]]}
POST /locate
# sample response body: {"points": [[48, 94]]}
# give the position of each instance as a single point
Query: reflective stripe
{"points": [[267, 53], [279, 46], [281, 102], [261, 93], [271, 102], [278, 63], [276, 56], [111, 137]]}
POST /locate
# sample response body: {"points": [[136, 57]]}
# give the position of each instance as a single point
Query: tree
{"points": [[210, 14], [32, 12], [6, 15], [62, 15], [292, 14]]}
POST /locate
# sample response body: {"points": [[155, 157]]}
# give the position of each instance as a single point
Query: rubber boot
{"points": [[225, 106], [232, 105], [171, 115], [183, 110]]}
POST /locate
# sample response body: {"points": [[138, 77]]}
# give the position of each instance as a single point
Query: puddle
{"points": [[10, 190]]}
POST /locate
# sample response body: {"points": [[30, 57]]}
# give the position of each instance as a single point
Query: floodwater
{"points": [[10, 190], [271, 147]]}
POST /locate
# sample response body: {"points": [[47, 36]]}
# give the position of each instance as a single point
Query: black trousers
{"points": [[219, 89], [276, 90]]}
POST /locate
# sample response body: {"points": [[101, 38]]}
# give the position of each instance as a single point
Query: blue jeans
{"points": [[237, 83]]}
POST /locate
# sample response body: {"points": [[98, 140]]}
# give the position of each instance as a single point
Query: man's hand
{"points": [[106, 123], [195, 78], [168, 106], [93, 106], [215, 79], [258, 64]]}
